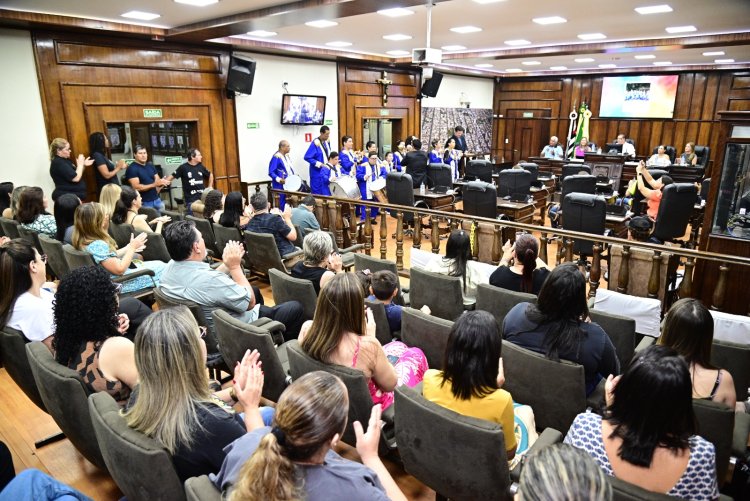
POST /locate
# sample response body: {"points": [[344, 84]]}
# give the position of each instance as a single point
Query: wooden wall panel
{"points": [[89, 80], [700, 95]]}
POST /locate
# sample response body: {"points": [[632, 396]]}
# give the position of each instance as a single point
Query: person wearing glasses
{"points": [[68, 178]]}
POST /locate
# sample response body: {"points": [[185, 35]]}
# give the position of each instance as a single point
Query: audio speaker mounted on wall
{"points": [[240, 76]]}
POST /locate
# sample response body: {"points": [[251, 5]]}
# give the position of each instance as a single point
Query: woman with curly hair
{"points": [[213, 205], [89, 333]]}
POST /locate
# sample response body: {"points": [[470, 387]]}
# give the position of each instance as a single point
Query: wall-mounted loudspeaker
{"points": [[430, 87], [241, 75]]}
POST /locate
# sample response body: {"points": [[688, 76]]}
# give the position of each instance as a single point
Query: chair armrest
{"points": [[548, 437], [645, 343], [351, 248], [388, 431], [269, 325], [291, 255], [741, 432], [130, 276]]}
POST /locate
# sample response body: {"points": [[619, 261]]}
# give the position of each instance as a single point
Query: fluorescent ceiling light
{"points": [[321, 23], [723, 61], [550, 20], [197, 3], [592, 36], [531, 63], [466, 29], [453, 47], [484, 2], [645, 56], [141, 16], [484, 65], [714, 53], [262, 33], [398, 53], [653, 9], [681, 29], [662, 63], [397, 12], [584, 60], [558, 68], [517, 42], [397, 37], [339, 44], [608, 65], [514, 70]]}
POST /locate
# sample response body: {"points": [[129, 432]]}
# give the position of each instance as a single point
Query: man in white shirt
{"points": [[627, 149], [552, 150]]}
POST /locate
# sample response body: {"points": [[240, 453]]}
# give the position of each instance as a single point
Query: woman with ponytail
{"points": [[293, 459], [527, 272]]}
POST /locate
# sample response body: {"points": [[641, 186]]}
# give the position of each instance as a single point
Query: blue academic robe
{"points": [[347, 161], [435, 157], [453, 161], [362, 170], [277, 170], [397, 158], [316, 156]]}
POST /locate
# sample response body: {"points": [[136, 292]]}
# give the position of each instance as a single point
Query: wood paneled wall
{"points": [[529, 109], [360, 98], [88, 81]]}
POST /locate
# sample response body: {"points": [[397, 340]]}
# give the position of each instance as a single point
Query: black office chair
{"points": [[703, 154], [400, 189], [533, 169], [637, 206], [478, 170], [586, 213], [705, 188], [574, 169], [675, 209], [439, 175], [578, 183], [669, 150], [480, 199], [515, 183]]}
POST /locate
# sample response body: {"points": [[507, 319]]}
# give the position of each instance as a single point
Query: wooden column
{"points": [[596, 270], [399, 240], [569, 250], [474, 239], [721, 288], [417, 237], [686, 287], [352, 224], [560, 251], [368, 231], [384, 235], [655, 277], [543, 248], [497, 244], [624, 276], [434, 236]]}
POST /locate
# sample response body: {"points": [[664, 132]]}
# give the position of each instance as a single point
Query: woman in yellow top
{"points": [[472, 376]]}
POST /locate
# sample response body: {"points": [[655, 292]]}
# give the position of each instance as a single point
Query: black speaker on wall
{"points": [[430, 87], [241, 75]]}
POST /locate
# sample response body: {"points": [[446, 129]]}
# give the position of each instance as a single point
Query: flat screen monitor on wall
{"points": [[297, 109], [644, 96]]}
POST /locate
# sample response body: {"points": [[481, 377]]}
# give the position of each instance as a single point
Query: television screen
{"points": [[639, 96], [302, 110]]}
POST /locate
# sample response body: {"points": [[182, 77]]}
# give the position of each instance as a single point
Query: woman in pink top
{"points": [[654, 193]]}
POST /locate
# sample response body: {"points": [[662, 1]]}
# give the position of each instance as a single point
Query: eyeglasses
{"points": [[43, 258], [203, 331]]}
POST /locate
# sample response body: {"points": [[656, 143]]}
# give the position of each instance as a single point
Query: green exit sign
{"points": [[383, 113], [152, 113], [173, 160], [253, 125], [328, 122], [528, 114]]}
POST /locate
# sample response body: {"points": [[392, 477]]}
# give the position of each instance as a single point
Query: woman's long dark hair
{"points": [[124, 204], [458, 248], [30, 205], [65, 208], [97, 143], [212, 203], [233, 210], [653, 405], [562, 306], [15, 275], [689, 329], [527, 249]]}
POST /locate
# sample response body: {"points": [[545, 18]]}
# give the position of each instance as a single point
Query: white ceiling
{"points": [[500, 21]]}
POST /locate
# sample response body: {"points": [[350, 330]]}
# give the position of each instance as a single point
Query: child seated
{"points": [[384, 286]]}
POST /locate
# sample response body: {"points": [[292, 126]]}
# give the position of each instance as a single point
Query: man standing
{"points": [[627, 149], [416, 162], [303, 216], [316, 156], [552, 150], [142, 176], [280, 168], [189, 277], [460, 138], [277, 223], [347, 157], [193, 176]]}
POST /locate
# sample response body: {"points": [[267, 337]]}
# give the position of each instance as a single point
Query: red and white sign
{"points": [[308, 137]]}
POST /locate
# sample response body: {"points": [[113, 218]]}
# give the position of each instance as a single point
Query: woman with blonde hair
{"points": [[689, 157], [90, 235], [294, 459], [68, 177], [109, 196], [341, 333]]}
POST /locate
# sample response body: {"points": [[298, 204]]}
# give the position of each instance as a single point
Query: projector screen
{"points": [[639, 96]]}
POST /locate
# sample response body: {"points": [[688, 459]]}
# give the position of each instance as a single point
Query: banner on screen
{"points": [[639, 96]]}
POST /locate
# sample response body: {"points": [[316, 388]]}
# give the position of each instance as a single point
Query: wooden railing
{"points": [[333, 214]]}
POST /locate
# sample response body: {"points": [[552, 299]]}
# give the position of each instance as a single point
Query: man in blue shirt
{"points": [[142, 176], [277, 223], [303, 216], [553, 150], [316, 156]]}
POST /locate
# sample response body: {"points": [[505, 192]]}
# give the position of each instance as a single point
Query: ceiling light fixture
{"points": [[515, 43], [397, 37], [262, 33], [197, 3], [141, 16], [484, 65], [531, 63], [397, 12], [714, 53], [681, 29], [723, 61], [485, 2], [608, 65], [653, 9], [662, 63], [398, 53], [592, 36], [466, 29], [584, 60], [645, 56], [514, 70], [321, 23], [453, 47], [558, 68], [339, 44], [550, 20]]}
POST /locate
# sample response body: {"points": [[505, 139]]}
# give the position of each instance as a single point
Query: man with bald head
{"points": [[552, 150], [280, 168]]}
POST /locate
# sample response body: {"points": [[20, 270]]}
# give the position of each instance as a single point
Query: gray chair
{"points": [[205, 228], [365, 262], [55, 255], [459, 457], [440, 292], [360, 401], [499, 301], [286, 288], [383, 329], [621, 330], [121, 233], [300, 236], [30, 236], [150, 213], [555, 390], [65, 397], [224, 235], [735, 358], [140, 466], [263, 253], [16, 362], [716, 424], [428, 333], [78, 259], [156, 248], [175, 215], [236, 337], [10, 227], [201, 489]]}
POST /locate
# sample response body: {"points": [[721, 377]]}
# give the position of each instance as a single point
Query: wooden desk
{"points": [[436, 201], [618, 225], [522, 212], [541, 198]]}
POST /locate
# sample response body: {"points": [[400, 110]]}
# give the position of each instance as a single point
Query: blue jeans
{"points": [[154, 204], [266, 414], [34, 485]]}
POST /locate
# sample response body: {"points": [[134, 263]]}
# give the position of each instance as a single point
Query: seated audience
{"points": [[234, 214], [189, 276], [383, 287], [65, 209], [320, 263], [295, 455], [552, 150], [108, 197], [172, 402], [472, 377], [561, 472], [89, 333], [528, 272], [647, 436], [213, 205], [277, 223], [90, 235], [10, 212], [26, 298], [689, 157], [341, 333], [32, 212], [582, 148], [458, 263], [126, 212], [559, 326], [689, 329], [660, 158], [304, 215]]}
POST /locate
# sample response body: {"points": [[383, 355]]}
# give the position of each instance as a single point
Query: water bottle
{"points": [[599, 151], [421, 189]]}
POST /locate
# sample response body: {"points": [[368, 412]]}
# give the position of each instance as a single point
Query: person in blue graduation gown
{"points": [[280, 168], [436, 157], [316, 156], [330, 171], [398, 155], [452, 157], [347, 157], [366, 173]]}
